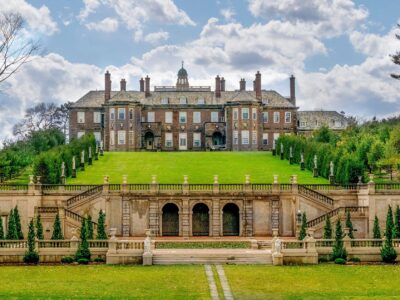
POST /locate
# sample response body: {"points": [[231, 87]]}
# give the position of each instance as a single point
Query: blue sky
{"points": [[338, 49]]}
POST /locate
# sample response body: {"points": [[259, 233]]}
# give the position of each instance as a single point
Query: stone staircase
{"points": [[84, 197], [316, 197]]}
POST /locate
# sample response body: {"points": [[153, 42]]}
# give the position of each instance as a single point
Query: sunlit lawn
{"points": [[231, 167]]}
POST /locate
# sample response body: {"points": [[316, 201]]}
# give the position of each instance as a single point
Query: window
{"points": [[214, 116], [150, 116], [196, 139], [235, 137], [245, 113], [81, 117], [168, 139], [80, 134], [235, 113], [276, 136], [121, 137], [182, 100], [112, 113], [254, 138], [182, 117], [303, 124], [265, 138], [265, 117], [277, 117], [338, 124], [97, 136], [112, 134], [288, 117], [196, 117], [200, 101], [168, 117], [182, 141], [254, 113], [164, 101], [121, 113], [96, 117], [131, 114], [245, 137]]}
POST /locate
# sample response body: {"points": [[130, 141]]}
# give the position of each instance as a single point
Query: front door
{"points": [[182, 141]]}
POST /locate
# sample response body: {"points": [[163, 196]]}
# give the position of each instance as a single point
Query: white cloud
{"points": [[37, 19], [228, 14], [105, 25], [156, 37], [90, 7]]}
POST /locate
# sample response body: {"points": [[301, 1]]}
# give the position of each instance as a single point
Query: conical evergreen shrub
{"points": [[303, 229], [39, 228], [83, 251], [328, 228], [376, 231], [18, 224], [338, 247], [2, 236], [31, 256], [349, 224], [12, 233], [396, 234], [388, 253], [57, 230], [101, 226], [89, 228]]}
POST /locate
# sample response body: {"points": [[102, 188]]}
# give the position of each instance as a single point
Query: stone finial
{"points": [[215, 179], [281, 147], [31, 179], [371, 178], [291, 151], [113, 232], [73, 163], [185, 179], [302, 157], [153, 179], [294, 179], [124, 179], [38, 178], [247, 179], [331, 168], [90, 152], [275, 179], [315, 161], [63, 169], [105, 179], [83, 156]]}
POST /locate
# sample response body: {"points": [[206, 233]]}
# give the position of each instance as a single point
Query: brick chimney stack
{"points": [[141, 83], [123, 84], [293, 90], [222, 84], [217, 87], [242, 84], [107, 86], [258, 85], [147, 87]]}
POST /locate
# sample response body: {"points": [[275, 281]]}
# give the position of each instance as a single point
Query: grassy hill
{"points": [[231, 167]]}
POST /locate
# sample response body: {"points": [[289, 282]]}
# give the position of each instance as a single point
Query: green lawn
{"points": [[231, 167]]}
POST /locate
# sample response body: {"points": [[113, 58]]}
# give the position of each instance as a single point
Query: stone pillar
{"points": [[281, 151], [90, 160], [248, 218], [215, 185], [101, 148], [83, 160], [62, 179], [154, 185], [302, 164], [31, 185], [275, 185], [126, 218], [73, 175], [185, 186], [96, 153], [247, 184], [124, 185], [106, 184], [216, 218], [185, 215], [275, 217], [291, 155]]}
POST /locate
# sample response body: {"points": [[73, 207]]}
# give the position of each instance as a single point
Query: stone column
{"points": [[248, 218], [215, 185], [185, 186], [106, 184], [62, 179], [275, 217], [124, 185], [302, 164], [247, 184], [216, 218], [275, 185], [185, 214], [126, 218], [73, 175], [83, 160], [90, 157], [154, 217], [154, 185]]}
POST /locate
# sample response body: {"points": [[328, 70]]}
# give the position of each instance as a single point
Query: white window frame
{"points": [[265, 138], [245, 112], [112, 114], [151, 116], [97, 136], [168, 117], [121, 137], [235, 137], [80, 134], [196, 139], [214, 116], [245, 137], [121, 113], [196, 117], [165, 100], [96, 117], [235, 114], [254, 113], [182, 117], [277, 117], [182, 100], [81, 117], [169, 141], [288, 117], [265, 117]]}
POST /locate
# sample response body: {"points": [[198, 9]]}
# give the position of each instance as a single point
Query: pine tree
{"points": [[376, 230], [388, 253], [18, 224], [101, 226], [328, 228], [12, 233], [349, 224], [31, 256], [83, 249], [396, 234], [89, 228], [396, 58], [303, 229], [57, 230], [39, 228], [338, 247], [1, 230]]}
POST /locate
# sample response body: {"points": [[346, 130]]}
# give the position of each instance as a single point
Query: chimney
{"points": [[242, 84], [147, 87], [141, 83], [217, 87], [123, 84], [293, 90], [254, 85], [258, 85], [222, 84], [107, 86]]}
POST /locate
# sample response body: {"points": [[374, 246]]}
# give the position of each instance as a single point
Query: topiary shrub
{"points": [[67, 260], [388, 253], [355, 259], [340, 261], [99, 260], [339, 251], [31, 258], [83, 261]]}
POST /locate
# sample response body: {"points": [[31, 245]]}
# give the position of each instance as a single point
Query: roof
{"points": [[313, 119]]}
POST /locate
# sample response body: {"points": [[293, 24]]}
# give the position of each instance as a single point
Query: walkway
{"points": [[226, 290]]}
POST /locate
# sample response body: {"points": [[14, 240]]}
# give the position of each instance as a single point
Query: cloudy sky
{"points": [[337, 49]]}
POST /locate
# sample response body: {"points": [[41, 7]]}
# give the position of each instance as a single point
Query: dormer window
{"points": [[164, 101], [183, 100], [265, 101], [200, 101]]}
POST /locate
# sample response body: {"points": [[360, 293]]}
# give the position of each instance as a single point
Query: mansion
{"points": [[194, 118]]}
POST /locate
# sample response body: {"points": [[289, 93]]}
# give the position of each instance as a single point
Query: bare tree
{"points": [[15, 49]]}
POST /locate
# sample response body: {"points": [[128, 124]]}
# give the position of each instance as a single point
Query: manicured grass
{"points": [[314, 282], [104, 282], [231, 167]]}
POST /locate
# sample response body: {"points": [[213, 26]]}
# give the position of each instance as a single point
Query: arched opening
{"points": [[230, 218], [149, 140], [200, 220], [170, 220], [217, 139]]}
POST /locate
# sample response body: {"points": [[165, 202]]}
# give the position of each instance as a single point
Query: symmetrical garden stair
{"points": [[360, 210], [315, 196], [84, 197]]}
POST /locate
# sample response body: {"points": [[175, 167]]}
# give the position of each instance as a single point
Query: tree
{"points": [[303, 229], [376, 231], [57, 230], [101, 226], [328, 228], [12, 233], [83, 249], [89, 228], [39, 228], [349, 224], [396, 227], [339, 251], [388, 253], [1, 230], [31, 256], [375, 154], [15, 49], [18, 223], [396, 58]]}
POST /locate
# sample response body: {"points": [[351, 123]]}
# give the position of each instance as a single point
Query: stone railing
{"points": [[343, 209], [387, 188], [334, 187], [305, 191], [14, 187], [88, 193]]}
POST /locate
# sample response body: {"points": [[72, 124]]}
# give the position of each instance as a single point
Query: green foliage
{"points": [[67, 259], [376, 231], [89, 228], [12, 233], [83, 251], [39, 228], [349, 224], [303, 229], [328, 228], [57, 230], [396, 233], [1, 230], [99, 260], [17, 221], [83, 261], [339, 251], [101, 226], [340, 261], [325, 135], [388, 253], [31, 256]]}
